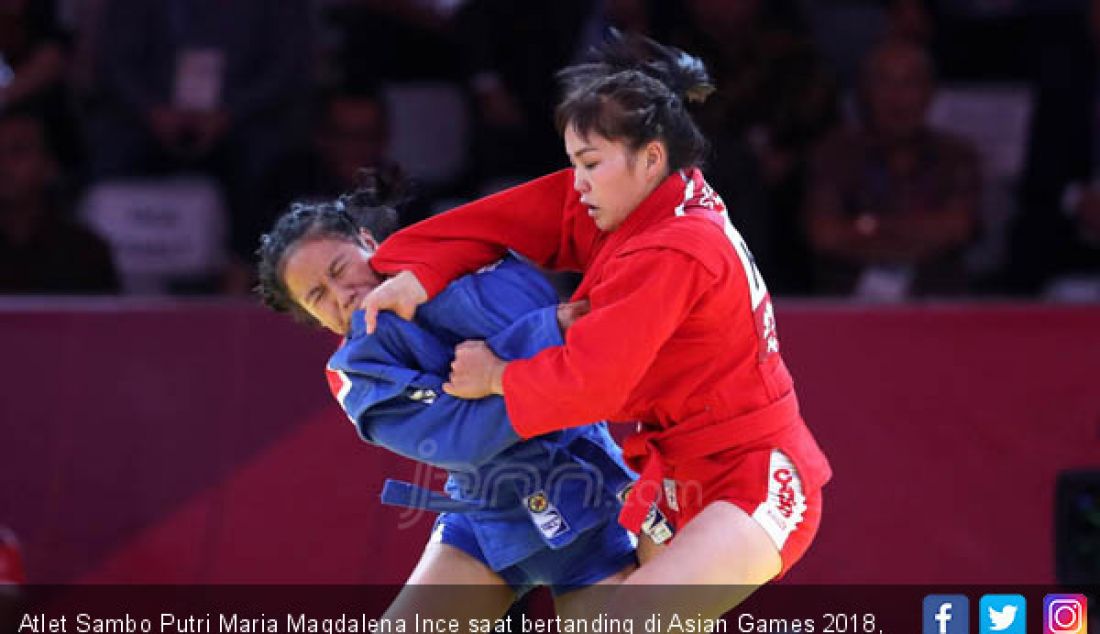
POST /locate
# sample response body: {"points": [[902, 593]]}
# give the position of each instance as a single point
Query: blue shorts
{"points": [[592, 557]]}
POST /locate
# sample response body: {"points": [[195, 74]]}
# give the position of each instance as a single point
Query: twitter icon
{"points": [[1002, 613]]}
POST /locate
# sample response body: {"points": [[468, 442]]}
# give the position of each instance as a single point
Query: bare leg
{"points": [[648, 549], [590, 601], [447, 583], [723, 548]]}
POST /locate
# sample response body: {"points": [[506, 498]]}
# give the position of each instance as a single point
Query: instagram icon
{"points": [[1065, 614]]}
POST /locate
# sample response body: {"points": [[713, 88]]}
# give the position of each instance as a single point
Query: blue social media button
{"points": [[946, 614], [1002, 613]]}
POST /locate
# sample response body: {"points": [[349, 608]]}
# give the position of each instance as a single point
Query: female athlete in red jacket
{"points": [[681, 333]]}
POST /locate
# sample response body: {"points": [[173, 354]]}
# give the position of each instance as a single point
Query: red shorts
{"points": [[764, 484]]}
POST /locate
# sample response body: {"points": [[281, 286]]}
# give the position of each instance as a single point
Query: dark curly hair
{"points": [[636, 90], [373, 206]]}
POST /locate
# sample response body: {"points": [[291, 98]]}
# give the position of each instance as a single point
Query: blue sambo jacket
{"points": [[522, 496]]}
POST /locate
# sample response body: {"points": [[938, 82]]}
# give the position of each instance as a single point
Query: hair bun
{"points": [[682, 73], [378, 187], [375, 201]]}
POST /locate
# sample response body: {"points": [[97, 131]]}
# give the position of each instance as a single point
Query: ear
{"points": [[655, 158], [368, 238]]}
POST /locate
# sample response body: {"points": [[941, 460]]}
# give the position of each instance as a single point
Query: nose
{"points": [[580, 183], [349, 299]]}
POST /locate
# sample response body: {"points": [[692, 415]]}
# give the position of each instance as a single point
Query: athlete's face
{"points": [[328, 276], [611, 178]]}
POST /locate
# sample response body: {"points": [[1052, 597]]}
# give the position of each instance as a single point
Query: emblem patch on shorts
{"points": [[537, 502], [783, 510], [657, 526], [545, 515]]}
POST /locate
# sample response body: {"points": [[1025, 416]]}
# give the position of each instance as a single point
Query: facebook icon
{"points": [[946, 614]]}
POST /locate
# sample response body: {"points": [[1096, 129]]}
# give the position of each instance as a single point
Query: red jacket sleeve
{"points": [[641, 302], [542, 219]]}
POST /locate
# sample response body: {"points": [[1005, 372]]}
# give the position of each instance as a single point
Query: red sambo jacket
{"points": [[681, 335]]}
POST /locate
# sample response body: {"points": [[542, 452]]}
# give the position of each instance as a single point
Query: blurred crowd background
{"points": [[882, 150]]}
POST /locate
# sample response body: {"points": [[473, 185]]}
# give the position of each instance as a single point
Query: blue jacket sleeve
{"points": [[394, 379], [449, 433], [396, 399], [528, 336], [482, 304]]}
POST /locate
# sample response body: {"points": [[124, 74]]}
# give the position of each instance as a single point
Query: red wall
{"points": [[197, 443]]}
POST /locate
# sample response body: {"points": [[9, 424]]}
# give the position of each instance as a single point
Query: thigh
{"points": [[600, 556], [721, 545], [715, 562], [648, 549], [449, 583], [590, 601]]}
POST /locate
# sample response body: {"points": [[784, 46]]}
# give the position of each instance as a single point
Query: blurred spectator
{"points": [[41, 249], [847, 30], [774, 100], [33, 58], [352, 135], [893, 202], [910, 20], [219, 87], [1058, 232], [511, 51]]}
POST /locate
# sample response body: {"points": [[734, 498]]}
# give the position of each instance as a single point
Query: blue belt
{"points": [[407, 494]]}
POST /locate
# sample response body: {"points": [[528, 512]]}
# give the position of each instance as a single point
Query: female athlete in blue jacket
{"points": [[519, 513]]}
